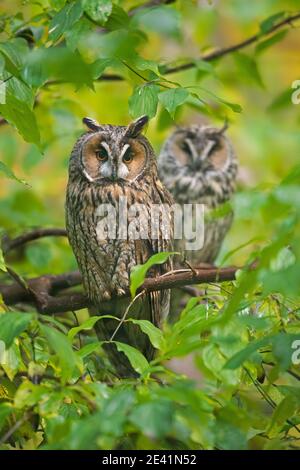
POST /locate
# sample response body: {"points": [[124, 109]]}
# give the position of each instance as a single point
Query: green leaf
{"points": [[88, 349], [283, 412], [248, 67], [113, 416], [135, 357], [15, 51], [203, 68], [263, 45], [58, 63], [282, 349], [77, 33], [88, 325], [173, 98], [118, 19], [285, 281], [234, 106], [98, 10], [101, 427], [2, 64], [120, 44], [64, 19], [154, 419], [99, 66], [239, 358], [163, 20], [62, 347], [2, 261], [11, 361], [19, 114], [10, 174], [144, 101], [58, 4], [138, 272], [20, 90], [289, 390], [141, 63], [5, 410], [12, 324], [184, 337], [155, 334], [267, 24], [35, 72]]}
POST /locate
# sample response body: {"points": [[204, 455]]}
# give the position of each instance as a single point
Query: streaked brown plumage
{"points": [[197, 164], [108, 163]]}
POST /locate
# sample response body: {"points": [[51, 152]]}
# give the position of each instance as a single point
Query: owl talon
{"points": [[121, 292], [106, 295]]}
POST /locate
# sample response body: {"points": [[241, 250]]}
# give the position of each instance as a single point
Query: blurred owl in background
{"points": [[197, 164], [109, 164]]}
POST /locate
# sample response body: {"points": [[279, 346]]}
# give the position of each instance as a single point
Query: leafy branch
{"points": [[235, 47], [218, 53], [266, 30], [42, 291]]}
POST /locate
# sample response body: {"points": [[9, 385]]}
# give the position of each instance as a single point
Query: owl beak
{"points": [[114, 174]]}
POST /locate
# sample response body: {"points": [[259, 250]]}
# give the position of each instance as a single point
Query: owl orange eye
{"points": [[102, 154], [128, 156]]}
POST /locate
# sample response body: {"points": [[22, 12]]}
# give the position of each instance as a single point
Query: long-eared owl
{"points": [[113, 169], [197, 164]]}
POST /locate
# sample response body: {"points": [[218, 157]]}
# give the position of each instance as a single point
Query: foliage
{"points": [[56, 387]]}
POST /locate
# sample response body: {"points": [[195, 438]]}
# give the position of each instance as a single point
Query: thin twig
{"points": [[14, 428], [236, 47], [125, 314]]}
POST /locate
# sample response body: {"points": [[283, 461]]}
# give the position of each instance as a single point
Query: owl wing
{"points": [[159, 301]]}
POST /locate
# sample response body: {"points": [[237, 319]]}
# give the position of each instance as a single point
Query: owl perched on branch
{"points": [[197, 164], [113, 169]]}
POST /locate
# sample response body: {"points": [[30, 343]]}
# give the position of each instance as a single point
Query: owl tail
{"points": [[128, 333]]}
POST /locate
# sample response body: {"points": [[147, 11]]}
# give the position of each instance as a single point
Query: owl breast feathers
{"points": [[113, 169], [197, 164]]}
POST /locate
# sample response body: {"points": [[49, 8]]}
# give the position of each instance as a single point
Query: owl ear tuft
{"points": [[224, 127], [92, 124], [135, 128]]}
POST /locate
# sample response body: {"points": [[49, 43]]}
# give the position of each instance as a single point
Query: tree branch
{"points": [[41, 290], [46, 294], [11, 244], [210, 56], [236, 47], [218, 52]]}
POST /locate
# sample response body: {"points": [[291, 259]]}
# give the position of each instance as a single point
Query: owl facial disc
{"points": [[116, 153]]}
